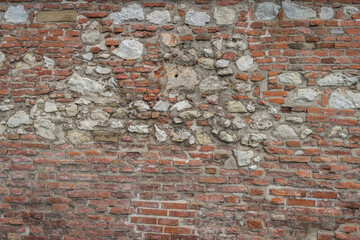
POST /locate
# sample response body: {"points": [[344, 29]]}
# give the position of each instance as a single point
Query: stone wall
{"points": [[203, 119]]}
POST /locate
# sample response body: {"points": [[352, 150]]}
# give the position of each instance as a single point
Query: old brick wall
{"points": [[203, 119]]}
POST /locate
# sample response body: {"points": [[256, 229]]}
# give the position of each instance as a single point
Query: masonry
{"points": [[181, 120]]}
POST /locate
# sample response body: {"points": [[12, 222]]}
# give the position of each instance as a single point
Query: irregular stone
{"points": [[102, 70], [2, 129], [88, 56], [8, 107], [45, 128], [48, 63], [56, 16], [243, 158], [196, 18], [295, 120], [342, 98], [211, 85], [129, 49], [243, 87], [16, 14], [19, 118], [71, 110], [305, 133], [160, 134], [237, 123], [2, 59], [92, 33], [99, 114], [207, 63], [202, 138], [337, 79], [104, 136], [224, 15], [225, 72], [182, 105], [76, 137], [291, 78], [222, 63], [226, 137], [140, 106], [230, 163], [253, 139], [190, 114], [84, 85], [50, 107], [161, 106], [159, 17], [235, 107], [179, 77], [284, 131], [29, 58], [140, 129], [169, 40], [120, 113], [267, 11], [306, 95], [245, 63], [87, 124], [131, 12], [296, 11], [348, 11], [116, 124], [326, 13], [262, 123], [180, 136]]}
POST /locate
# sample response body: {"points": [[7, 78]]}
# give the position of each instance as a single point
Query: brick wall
{"points": [[204, 119]]}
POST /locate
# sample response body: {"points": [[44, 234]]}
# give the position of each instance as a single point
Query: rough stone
{"points": [[56, 16], [160, 134], [348, 11], [182, 105], [262, 123], [179, 77], [225, 72], [45, 128], [222, 63], [253, 139], [224, 15], [180, 136], [305, 133], [19, 118], [190, 114], [295, 120], [50, 107], [116, 124], [206, 63], [88, 56], [196, 18], [99, 114], [202, 137], [120, 113], [235, 107], [71, 110], [84, 85], [7, 107], [342, 98], [88, 124], [226, 137], [140, 106], [30, 59], [291, 78], [104, 136], [161, 106], [2, 59], [16, 14], [326, 13], [140, 129], [267, 11], [159, 17], [48, 63], [211, 85], [76, 137], [237, 123], [243, 158], [169, 40], [129, 49], [245, 63], [102, 70], [92, 33], [337, 79], [296, 11], [2, 129], [284, 131], [304, 95], [131, 12]]}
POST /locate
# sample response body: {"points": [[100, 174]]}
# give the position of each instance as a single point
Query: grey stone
{"points": [[140, 129], [224, 15], [45, 128], [2, 129], [196, 18], [180, 136], [245, 63], [84, 85], [120, 113], [237, 123], [190, 114], [206, 63], [235, 107], [160, 134], [304, 95], [222, 63], [326, 13], [88, 56], [295, 120], [88, 124], [131, 12], [29, 58], [2, 59], [19, 118], [225, 72], [140, 106], [102, 70], [179, 77], [348, 11], [50, 107], [296, 11], [182, 105], [76, 137], [99, 114], [161, 106], [305, 133], [202, 137], [262, 123], [16, 14], [129, 49], [337, 79], [48, 63], [293, 78], [159, 17], [7, 107], [267, 11], [71, 110], [243, 158], [211, 85], [253, 139], [116, 124], [284, 131], [226, 137], [342, 98], [92, 33]]}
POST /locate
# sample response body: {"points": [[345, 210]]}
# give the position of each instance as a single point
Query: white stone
{"points": [[337, 79], [160, 134], [182, 105], [159, 17], [29, 58], [267, 11], [225, 72], [245, 63], [102, 70], [16, 14], [116, 124], [326, 13], [349, 11], [48, 63], [87, 124], [243, 158], [129, 49], [305, 133], [19, 118], [237, 123], [92, 33], [222, 63], [284, 131], [295, 120], [99, 114], [304, 95], [235, 107], [84, 85], [180, 136], [226, 137], [131, 12], [296, 11], [190, 114], [253, 139], [293, 78], [224, 15], [50, 107], [2, 59], [179, 77], [88, 56], [76, 137], [45, 128], [161, 106], [71, 110], [8, 107], [140, 129], [342, 98], [211, 85], [196, 18], [2, 129], [139, 105]]}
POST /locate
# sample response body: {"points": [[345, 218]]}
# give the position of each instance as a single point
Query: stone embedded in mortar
{"points": [[226, 137], [190, 114], [2, 59], [306, 132], [129, 49], [160, 134], [131, 12], [116, 124], [104, 136], [243, 158], [222, 63], [237, 123], [253, 139], [196, 18], [71, 110], [120, 113], [294, 120], [284, 131], [159, 17], [7, 107], [30, 59], [161, 106], [326, 13], [45, 128], [50, 107], [88, 124], [180, 136], [179, 77], [337, 79], [235, 107], [16, 14], [348, 11], [225, 72], [92, 33], [297, 11], [206, 63], [224, 15], [140, 106], [140, 129], [102, 70], [245, 63], [304, 95], [182, 105], [342, 98], [56, 16], [202, 137], [291, 78], [262, 123], [19, 118], [48, 63], [211, 85], [2, 129], [169, 40], [88, 56], [84, 85], [267, 11], [99, 114], [76, 137]]}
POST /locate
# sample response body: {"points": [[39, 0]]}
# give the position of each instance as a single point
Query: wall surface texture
{"points": [[179, 120]]}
